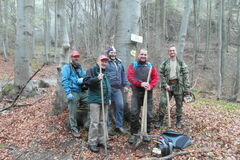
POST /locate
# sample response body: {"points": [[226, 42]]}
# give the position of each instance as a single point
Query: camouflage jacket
{"points": [[182, 75]]}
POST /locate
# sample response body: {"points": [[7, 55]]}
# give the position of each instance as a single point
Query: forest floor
{"points": [[29, 132]]}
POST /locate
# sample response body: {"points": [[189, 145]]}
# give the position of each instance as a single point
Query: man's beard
{"points": [[76, 63], [112, 57], [143, 60]]}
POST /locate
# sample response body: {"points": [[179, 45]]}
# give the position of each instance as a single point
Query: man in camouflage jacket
{"points": [[174, 80]]}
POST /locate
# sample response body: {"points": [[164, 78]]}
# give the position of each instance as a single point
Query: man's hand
{"points": [[80, 80], [125, 89], [100, 76], [145, 85], [184, 100], [149, 88], [70, 97], [168, 88]]}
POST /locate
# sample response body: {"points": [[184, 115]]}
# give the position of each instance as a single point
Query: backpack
{"points": [[179, 140], [163, 147]]}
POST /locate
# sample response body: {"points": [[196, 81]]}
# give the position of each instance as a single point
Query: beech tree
{"points": [[24, 43], [60, 100], [127, 23]]}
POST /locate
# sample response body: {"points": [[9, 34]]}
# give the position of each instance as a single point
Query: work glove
{"points": [[70, 97], [80, 80]]}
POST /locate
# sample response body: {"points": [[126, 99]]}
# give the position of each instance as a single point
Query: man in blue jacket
{"points": [[72, 77], [118, 80]]}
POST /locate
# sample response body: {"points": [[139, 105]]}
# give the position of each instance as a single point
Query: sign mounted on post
{"points": [[136, 38]]}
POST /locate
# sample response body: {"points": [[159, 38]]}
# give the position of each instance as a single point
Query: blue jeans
{"points": [[117, 99]]}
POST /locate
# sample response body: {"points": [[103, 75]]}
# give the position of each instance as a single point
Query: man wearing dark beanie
{"points": [[118, 80]]}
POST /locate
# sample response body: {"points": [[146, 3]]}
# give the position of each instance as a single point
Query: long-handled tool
{"points": [[168, 109], [144, 114], [144, 109], [103, 113]]}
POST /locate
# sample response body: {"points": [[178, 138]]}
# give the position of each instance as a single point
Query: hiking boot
{"points": [[146, 139], [121, 130], [178, 123], [76, 134], [132, 139], [94, 148], [160, 123], [103, 146]]}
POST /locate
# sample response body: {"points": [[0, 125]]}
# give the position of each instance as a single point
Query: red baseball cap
{"points": [[75, 54], [103, 57]]}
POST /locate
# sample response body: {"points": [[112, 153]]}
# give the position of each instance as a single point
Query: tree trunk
{"points": [[75, 25], [127, 23], [24, 43], [160, 26], [1, 26], [208, 41], [56, 31], [183, 28], [195, 13], [229, 19], [144, 24], [60, 101], [198, 12], [5, 46], [46, 29], [236, 86], [219, 86], [224, 35], [2, 33]]}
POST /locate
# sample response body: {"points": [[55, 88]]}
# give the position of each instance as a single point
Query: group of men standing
{"points": [[107, 81]]}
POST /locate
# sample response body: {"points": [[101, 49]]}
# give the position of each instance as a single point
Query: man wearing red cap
{"points": [[72, 76], [137, 75], [96, 129]]}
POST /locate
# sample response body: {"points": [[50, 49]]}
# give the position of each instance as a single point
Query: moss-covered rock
{"points": [[7, 89]]}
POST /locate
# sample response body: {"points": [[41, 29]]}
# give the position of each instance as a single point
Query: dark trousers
{"points": [[137, 102]]}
